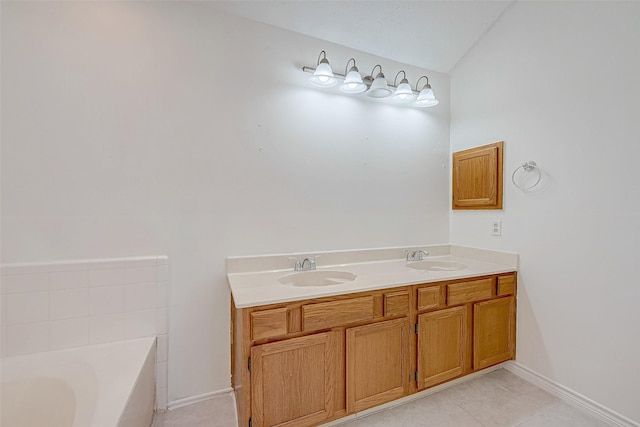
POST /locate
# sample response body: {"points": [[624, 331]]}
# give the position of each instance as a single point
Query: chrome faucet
{"points": [[306, 264], [415, 254]]}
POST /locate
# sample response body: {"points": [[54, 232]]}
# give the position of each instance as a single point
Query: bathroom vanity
{"points": [[303, 355]]}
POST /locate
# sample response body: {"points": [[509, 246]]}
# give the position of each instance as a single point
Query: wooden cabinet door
{"points": [[493, 332], [292, 381], [442, 345], [377, 363], [477, 177]]}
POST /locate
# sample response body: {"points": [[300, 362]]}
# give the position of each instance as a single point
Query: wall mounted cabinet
{"points": [[477, 177], [307, 362]]}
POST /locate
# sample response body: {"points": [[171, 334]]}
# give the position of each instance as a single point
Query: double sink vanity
{"points": [[318, 337]]}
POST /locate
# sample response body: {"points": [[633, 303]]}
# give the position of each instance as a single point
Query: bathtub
{"points": [[105, 385]]}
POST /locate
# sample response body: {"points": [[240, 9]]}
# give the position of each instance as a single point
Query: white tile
{"points": [[27, 338], [69, 266], [69, 333], [162, 350], [140, 296], [68, 279], [141, 261], [161, 374], [140, 324], [69, 303], [162, 272], [3, 341], [3, 285], [25, 268], [27, 282], [27, 307], [140, 274], [163, 259], [162, 322], [106, 277], [162, 295], [107, 328], [101, 264], [106, 300]]}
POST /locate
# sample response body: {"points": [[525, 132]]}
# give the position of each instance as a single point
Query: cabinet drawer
{"points": [[268, 323], [396, 303], [326, 315], [506, 285], [429, 298], [476, 290]]}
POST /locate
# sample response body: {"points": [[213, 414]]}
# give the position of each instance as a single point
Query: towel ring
{"points": [[527, 167]]}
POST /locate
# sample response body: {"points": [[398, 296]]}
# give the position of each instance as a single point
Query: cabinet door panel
{"points": [[292, 381], [377, 363], [442, 345], [493, 332]]}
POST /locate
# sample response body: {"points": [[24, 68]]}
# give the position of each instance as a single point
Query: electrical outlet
{"points": [[496, 227]]}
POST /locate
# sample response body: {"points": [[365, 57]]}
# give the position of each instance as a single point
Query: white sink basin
{"points": [[429, 265], [317, 278]]}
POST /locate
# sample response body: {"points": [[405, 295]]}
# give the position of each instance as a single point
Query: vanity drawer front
{"points": [[429, 298], [268, 323], [506, 285], [476, 290], [396, 303], [327, 315]]}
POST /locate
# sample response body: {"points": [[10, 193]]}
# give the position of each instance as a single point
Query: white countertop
{"points": [[374, 268]]}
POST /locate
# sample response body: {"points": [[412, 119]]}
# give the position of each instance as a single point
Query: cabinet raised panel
{"points": [[377, 364], [292, 381], [442, 345], [326, 315], [493, 332], [469, 291], [477, 177]]}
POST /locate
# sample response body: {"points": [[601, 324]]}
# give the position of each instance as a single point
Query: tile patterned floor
{"points": [[497, 399]]}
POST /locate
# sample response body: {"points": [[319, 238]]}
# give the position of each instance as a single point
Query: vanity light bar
{"points": [[378, 87]]}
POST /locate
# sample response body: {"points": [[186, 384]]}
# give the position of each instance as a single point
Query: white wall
{"points": [[172, 128], [558, 82]]}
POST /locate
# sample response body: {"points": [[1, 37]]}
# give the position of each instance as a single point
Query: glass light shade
{"points": [[379, 88], [323, 76], [353, 82], [403, 92], [426, 98]]}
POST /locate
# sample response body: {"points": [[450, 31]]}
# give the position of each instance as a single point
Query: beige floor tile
{"points": [[497, 399], [218, 411], [500, 399], [562, 415], [433, 410]]}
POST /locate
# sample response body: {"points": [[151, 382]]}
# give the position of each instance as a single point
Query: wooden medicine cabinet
{"points": [[477, 178]]}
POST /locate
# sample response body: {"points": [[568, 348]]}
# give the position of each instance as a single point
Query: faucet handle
{"points": [[415, 254], [297, 266]]}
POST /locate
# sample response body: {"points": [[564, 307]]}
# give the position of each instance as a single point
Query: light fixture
{"points": [[323, 75], [403, 92], [353, 81], [379, 88], [426, 97]]}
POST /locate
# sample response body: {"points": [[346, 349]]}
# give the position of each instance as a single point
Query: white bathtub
{"points": [[106, 385]]}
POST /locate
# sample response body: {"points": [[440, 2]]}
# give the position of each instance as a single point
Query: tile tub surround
{"points": [[64, 304], [253, 280]]}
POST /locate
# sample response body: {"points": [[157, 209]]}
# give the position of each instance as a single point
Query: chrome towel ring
{"points": [[527, 168]]}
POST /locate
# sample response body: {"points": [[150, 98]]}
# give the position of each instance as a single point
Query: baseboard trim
{"points": [[179, 403], [571, 397]]}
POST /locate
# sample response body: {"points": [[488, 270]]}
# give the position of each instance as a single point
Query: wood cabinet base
{"points": [[308, 362]]}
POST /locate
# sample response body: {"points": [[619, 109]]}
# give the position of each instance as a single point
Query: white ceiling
{"points": [[431, 34]]}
